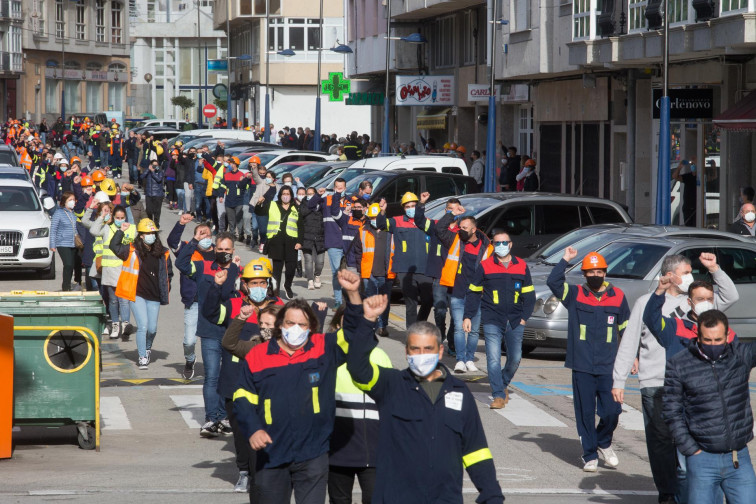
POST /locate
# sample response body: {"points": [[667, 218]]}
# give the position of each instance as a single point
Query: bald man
{"points": [[745, 223]]}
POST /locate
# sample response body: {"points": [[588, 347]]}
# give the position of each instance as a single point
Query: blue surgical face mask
{"points": [[366, 196], [422, 364], [149, 239], [410, 212], [502, 250], [295, 336], [374, 223], [118, 222], [205, 243], [124, 193], [258, 294]]}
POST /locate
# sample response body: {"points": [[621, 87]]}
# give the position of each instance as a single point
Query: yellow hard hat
{"points": [[409, 197], [108, 187], [257, 269], [147, 226], [373, 210], [158, 148]]}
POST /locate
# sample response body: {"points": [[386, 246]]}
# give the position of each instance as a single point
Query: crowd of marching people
{"points": [[310, 398]]}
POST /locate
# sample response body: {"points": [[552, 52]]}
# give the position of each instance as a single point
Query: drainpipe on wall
{"points": [[630, 139]]}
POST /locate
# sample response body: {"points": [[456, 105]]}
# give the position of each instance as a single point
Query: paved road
{"points": [[151, 449]]}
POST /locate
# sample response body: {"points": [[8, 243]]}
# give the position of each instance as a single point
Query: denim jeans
{"points": [[379, 285], [180, 194], [215, 410], [464, 344], [254, 227], [492, 333], [710, 473], [133, 171], [146, 316], [235, 218], [262, 225], [190, 331], [129, 215], [118, 308], [334, 258], [440, 304], [313, 264], [659, 442], [188, 203], [201, 202], [220, 207]]}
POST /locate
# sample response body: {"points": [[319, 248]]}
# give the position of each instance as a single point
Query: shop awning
{"points": [[741, 116], [432, 119]]}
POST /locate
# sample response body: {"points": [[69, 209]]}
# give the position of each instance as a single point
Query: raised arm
{"points": [[561, 289]]}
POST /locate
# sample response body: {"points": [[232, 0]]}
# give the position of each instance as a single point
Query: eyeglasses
{"points": [[500, 243]]}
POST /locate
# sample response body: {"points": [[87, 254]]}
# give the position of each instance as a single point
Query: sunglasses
{"points": [[500, 243]]}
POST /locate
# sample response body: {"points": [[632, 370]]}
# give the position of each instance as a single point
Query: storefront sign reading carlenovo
{"points": [[425, 90], [686, 103]]}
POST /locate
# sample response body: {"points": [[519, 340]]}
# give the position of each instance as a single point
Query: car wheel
{"points": [[49, 273]]}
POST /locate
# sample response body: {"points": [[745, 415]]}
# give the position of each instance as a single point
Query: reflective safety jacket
{"points": [[366, 253], [291, 397], [674, 334], [437, 251], [333, 213], [102, 247], [423, 445], [595, 322], [274, 221], [409, 245], [507, 292], [354, 442], [127, 281], [233, 187]]}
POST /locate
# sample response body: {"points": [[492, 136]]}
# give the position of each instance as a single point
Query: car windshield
{"points": [[6, 157], [557, 246], [347, 175], [264, 159], [630, 259], [473, 206], [13, 175], [18, 199], [585, 245], [307, 172], [353, 186]]}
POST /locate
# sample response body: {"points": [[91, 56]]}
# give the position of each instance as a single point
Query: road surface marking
{"points": [[113, 414], [521, 412], [176, 387], [192, 408]]}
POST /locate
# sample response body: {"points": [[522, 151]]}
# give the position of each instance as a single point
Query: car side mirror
{"points": [[48, 203]]}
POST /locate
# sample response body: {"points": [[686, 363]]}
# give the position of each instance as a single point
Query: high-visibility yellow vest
{"points": [[274, 221], [109, 259]]}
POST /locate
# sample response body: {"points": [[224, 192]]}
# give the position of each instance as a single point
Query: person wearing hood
{"points": [[746, 223], [708, 409], [597, 316]]}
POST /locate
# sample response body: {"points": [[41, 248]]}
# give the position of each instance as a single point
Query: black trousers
{"points": [[77, 267], [341, 482], [68, 258], [153, 205], [245, 455], [659, 443], [278, 267], [307, 479], [414, 285]]}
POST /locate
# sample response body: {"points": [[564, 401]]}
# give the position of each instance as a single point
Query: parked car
{"points": [[141, 129], [14, 172], [534, 219], [634, 266], [271, 158], [177, 124], [223, 133], [311, 173], [8, 155], [25, 228], [347, 174], [440, 164]]}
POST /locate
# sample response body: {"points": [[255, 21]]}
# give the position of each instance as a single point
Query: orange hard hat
{"points": [[592, 261], [175, 152], [76, 159], [98, 176], [462, 149], [530, 162], [86, 181], [235, 160], [453, 146], [255, 159]]}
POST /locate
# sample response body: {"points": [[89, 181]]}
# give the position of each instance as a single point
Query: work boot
{"points": [[498, 403]]}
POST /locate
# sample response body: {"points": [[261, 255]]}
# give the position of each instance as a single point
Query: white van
{"points": [[440, 164], [170, 123], [222, 133]]}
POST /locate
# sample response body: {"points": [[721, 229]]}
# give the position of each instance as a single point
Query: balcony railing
{"points": [[11, 62], [10, 9]]}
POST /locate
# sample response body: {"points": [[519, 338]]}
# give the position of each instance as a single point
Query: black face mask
{"points": [[357, 214], [192, 156], [713, 352], [223, 258], [463, 235], [594, 282]]}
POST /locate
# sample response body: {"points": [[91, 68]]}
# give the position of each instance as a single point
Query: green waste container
{"points": [[57, 359]]}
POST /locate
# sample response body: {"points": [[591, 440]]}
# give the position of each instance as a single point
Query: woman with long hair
{"points": [[145, 280], [283, 237], [63, 236]]}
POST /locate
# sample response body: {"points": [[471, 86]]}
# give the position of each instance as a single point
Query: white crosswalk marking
{"points": [[192, 409], [631, 418], [521, 412], [113, 414]]}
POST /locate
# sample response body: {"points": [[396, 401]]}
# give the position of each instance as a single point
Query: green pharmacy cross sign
{"points": [[336, 87]]}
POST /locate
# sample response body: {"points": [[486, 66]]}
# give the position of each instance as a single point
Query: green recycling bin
{"points": [[57, 359]]}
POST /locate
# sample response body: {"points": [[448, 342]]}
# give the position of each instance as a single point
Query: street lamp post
{"points": [[63, 75], [228, 65], [316, 139], [199, 65], [663, 209], [489, 183], [386, 104], [266, 127]]}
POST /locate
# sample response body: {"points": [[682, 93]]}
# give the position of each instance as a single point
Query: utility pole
{"points": [[199, 65]]}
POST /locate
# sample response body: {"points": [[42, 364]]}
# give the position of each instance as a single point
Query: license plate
{"points": [[6, 249]]}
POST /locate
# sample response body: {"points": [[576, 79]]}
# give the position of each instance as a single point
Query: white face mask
{"points": [[70, 204], [749, 216], [687, 279], [422, 364], [703, 306], [295, 336]]}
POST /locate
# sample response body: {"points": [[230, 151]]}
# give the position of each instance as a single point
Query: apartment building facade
{"points": [[11, 55]]}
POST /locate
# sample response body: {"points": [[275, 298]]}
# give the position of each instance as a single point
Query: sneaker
{"points": [[242, 484], [115, 330], [224, 427], [260, 249], [289, 293], [106, 330], [188, 370], [149, 354], [471, 367], [460, 367], [310, 285], [317, 282], [591, 466], [210, 430], [143, 362], [609, 456]]}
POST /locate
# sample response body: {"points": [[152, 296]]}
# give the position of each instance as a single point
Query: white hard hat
{"points": [[101, 197], [58, 155], [63, 162]]}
